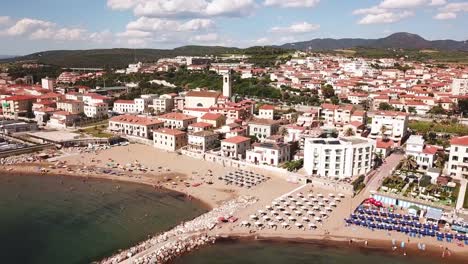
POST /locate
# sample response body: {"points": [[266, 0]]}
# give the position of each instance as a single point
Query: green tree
{"points": [[463, 106], [409, 163], [437, 110], [328, 91], [385, 106], [349, 132]]}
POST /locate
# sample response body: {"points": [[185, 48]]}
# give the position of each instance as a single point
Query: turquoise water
{"points": [[66, 220], [256, 252]]}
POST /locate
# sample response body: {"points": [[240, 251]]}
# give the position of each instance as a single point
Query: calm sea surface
{"points": [[256, 252], [66, 220]]}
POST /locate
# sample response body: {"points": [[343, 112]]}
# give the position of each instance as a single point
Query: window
{"points": [[455, 158]]}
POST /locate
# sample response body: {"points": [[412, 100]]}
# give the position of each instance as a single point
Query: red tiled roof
{"points": [[267, 107], [211, 116], [384, 144], [124, 102], [137, 120], [172, 132], [236, 139], [20, 98], [201, 125], [203, 94], [459, 141], [429, 149], [177, 116]]}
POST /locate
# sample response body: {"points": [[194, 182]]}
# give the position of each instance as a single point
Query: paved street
{"points": [[384, 171]]}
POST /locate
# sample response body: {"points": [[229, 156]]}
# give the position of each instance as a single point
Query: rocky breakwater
{"points": [[181, 239]]}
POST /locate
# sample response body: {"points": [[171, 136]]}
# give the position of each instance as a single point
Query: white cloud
{"points": [[451, 10], [384, 17], [134, 34], [157, 24], [438, 2], [390, 4], [303, 27], [28, 25], [291, 3], [210, 37], [183, 8], [4, 20], [445, 16]]}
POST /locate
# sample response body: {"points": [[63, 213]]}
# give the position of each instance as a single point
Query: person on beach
{"points": [[366, 243]]}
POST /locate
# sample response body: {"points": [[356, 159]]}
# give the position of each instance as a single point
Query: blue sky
{"points": [[28, 26]]}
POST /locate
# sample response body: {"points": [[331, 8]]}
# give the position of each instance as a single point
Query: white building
{"points": [[269, 152], [48, 83], [138, 126], [338, 158], [177, 120], [133, 68], [124, 106], [389, 124], [203, 141], [423, 154], [201, 99], [169, 139], [163, 104], [460, 86], [458, 159], [263, 128], [97, 110], [227, 85], [235, 147], [266, 112]]}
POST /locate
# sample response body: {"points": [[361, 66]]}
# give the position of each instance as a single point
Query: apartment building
{"points": [[263, 128], [137, 126], [203, 141], [270, 152], [423, 154], [338, 157], [458, 158], [235, 147], [169, 139], [389, 125], [177, 120]]}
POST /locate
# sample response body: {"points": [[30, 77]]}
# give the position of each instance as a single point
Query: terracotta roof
{"points": [[391, 113], [20, 98], [167, 131], [124, 102], [429, 149], [211, 116], [267, 107], [236, 139], [63, 113], [384, 144], [177, 116], [137, 120], [329, 106], [463, 141], [201, 124], [203, 94]]}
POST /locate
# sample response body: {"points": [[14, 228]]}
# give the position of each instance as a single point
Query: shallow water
{"points": [[262, 252], [45, 219]]}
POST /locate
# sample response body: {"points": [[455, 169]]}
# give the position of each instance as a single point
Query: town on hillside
{"points": [[388, 131]]}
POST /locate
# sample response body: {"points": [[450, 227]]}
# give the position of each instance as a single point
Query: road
{"points": [[382, 172]]}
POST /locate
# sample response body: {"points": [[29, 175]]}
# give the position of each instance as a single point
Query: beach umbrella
{"points": [[245, 223], [258, 223], [298, 224], [317, 218], [312, 225], [284, 224], [316, 208], [287, 213], [279, 218], [323, 213], [274, 213], [325, 200], [268, 207], [271, 224], [320, 195], [298, 212], [341, 195], [331, 195], [314, 200], [261, 212], [333, 204], [253, 217], [304, 199], [292, 207], [286, 203], [275, 203], [328, 208], [299, 203], [310, 195], [310, 213], [305, 219], [266, 217], [321, 204], [291, 218], [304, 208], [299, 195], [337, 199]]}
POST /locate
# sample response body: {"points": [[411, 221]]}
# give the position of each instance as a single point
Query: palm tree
{"points": [[409, 163], [383, 129], [440, 161], [349, 132]]}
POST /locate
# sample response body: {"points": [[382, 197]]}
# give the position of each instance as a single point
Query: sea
{"points": [[72, 220], [280, 252]]}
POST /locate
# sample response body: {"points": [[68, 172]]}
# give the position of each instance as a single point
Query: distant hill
{"points": [[398, 40], [6, 56], [264, 55]]}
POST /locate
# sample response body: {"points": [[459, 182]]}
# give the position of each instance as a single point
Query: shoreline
{"points": [[27, 171], [342, 244]]}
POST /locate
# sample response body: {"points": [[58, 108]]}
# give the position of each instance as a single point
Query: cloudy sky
{"points": [[28, 26]]}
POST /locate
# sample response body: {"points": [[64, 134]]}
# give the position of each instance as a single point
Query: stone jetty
{"points": [[181, 239]]}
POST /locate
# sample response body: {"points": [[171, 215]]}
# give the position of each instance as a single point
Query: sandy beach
{"points": [[198, 179]]}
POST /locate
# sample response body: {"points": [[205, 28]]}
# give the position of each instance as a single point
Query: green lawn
{"points": [[452, 128], [97, 131]]}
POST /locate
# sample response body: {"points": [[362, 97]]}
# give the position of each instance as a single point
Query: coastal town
{"points": [[378, 149]]}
